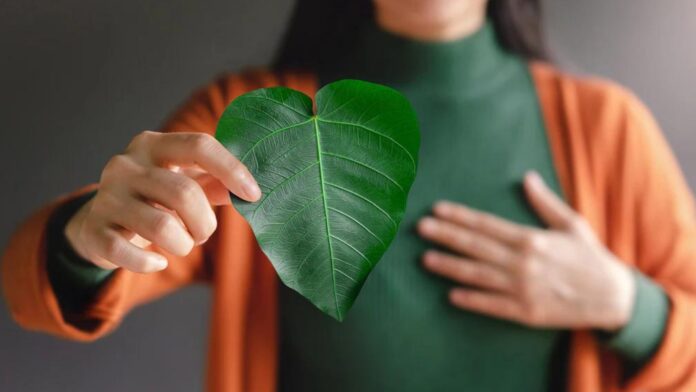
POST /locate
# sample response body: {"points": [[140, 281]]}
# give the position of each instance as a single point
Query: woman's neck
{"points": [[431, 25], [467, 66]]}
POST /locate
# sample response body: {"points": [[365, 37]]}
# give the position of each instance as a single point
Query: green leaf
{"points": [[334, 183]]}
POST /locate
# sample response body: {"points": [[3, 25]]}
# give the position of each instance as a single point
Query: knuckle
{"points": [[162, 225], [200, 142], [111, 247], [577, 225], [532, 243], [105, 201], [116, 166], [100, 208], [141, 140], [185, 191]]}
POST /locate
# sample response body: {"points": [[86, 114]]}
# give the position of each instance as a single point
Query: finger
{"points": [[203, 150], [109, 245], [552, 210], [491, 304], [462, 240], [481, 222], [155, 225], [215, 190], [179, 193], [467, 271]]}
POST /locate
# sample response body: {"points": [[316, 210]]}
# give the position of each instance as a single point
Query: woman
{"points": [[520, 291]]}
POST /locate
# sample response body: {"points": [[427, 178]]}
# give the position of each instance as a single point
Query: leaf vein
{"points": [[296, 213], [347, 276], [266, 98], [270, 135], [269, 115], [354, 249], [304, 261], [385, 175], [358, 222], [253, 215], [360, 126], [252, 121], [363, 198]]}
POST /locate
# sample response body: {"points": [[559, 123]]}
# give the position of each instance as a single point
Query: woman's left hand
{"points": [[562, 277]]}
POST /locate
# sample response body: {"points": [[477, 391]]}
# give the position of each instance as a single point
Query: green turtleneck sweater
{"points": [[482, 129]]}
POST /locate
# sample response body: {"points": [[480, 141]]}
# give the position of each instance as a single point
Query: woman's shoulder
{"points": [[591, 95], [202, 109], [601, 109]]}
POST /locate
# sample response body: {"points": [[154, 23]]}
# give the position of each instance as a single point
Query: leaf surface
{"points": [[334, 183]]}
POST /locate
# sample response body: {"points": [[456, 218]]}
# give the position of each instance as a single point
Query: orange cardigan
{"points": [[616, 170]]}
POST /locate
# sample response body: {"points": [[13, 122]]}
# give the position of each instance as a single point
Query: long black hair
{"points": [[320, 29]]}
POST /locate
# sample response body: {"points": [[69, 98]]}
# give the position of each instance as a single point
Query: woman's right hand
{"points": [[159, 191]]}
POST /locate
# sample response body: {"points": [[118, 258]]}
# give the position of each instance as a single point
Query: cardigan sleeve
{"points": [[664, 231], [30, 292]]}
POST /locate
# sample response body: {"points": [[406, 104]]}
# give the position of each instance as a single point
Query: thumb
{"points": [[550, 207]]}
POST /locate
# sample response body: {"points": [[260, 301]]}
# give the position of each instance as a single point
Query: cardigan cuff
{"points": [[75, 280], [638, 340]]}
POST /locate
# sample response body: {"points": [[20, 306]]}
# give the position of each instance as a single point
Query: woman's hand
{"points": [[159, 191], [561, 277]]}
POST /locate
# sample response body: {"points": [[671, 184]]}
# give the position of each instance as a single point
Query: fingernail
{"points": [[251, 189]]}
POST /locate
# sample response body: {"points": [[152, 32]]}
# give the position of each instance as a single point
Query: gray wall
{"points": [[78, 79]]}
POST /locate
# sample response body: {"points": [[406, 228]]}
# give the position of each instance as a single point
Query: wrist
{"points": [[72, 231], [620, 299], [638, 340]]}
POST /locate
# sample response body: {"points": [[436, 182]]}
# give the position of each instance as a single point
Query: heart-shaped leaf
{"points": [[334, 183]]}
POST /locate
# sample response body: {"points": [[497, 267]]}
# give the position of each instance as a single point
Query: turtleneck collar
{"points": [[472, 62]]}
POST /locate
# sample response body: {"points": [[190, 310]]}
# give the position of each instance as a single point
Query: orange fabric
{"points": [[619, 173], [613, 164]]}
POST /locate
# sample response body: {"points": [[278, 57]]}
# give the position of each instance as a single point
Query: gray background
{"points": [[78, 79]]}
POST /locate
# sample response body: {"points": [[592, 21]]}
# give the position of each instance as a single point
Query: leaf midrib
{"points": [[326, 215]]}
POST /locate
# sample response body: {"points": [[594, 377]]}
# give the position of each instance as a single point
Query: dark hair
{"points": [[320, 29]]}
